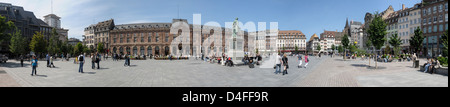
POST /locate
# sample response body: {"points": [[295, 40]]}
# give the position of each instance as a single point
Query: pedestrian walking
{"points": [[47, 57], [306, 60], [285, 64], [93, 61], [34, 64], [99, 57], [278, 64], [51, 62], [81, 60], [300, 60], [21, 60], [129, 59], [126, 60]]}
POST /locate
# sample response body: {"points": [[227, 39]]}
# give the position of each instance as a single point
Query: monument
{"points": [[236, 44]]}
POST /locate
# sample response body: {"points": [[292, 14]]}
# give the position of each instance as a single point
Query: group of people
{"points": [[432, 63], [282, 62], [96, 58]]}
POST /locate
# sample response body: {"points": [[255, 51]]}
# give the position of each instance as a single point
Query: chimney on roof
{"points": [[403, 6]]}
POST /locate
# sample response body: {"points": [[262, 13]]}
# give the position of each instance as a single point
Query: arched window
{"points": [[121, 50], [166, 50], [149, 50], [142, 50], [135, 50], [157, 50], [114, 50]]}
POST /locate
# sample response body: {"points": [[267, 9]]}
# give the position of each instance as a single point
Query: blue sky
{"points": [[308, 16]]}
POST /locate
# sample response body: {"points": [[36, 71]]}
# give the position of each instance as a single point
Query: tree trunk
{"points": [[345, 55]]}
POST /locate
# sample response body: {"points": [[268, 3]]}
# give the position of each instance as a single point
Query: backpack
{"points": [[81, 58]]}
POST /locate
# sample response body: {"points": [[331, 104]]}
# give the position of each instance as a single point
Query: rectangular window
{"points": [[446, 26], [149, 37], [429, 10], [121, 38], [429, 29], [435, 19], [425, 30], [167, 37], [434, 9], [425, 21], [441, 28], [406, 25], [157, 37], [446, 17], [142, 37], [135, 38], [435, 29]]}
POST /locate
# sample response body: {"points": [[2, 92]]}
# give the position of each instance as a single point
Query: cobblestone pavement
{"points": [[321, 72], [6, 80], [335, 72], [152, 73]]}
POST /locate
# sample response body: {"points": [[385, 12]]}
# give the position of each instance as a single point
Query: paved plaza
{"points": [[321, 72]]}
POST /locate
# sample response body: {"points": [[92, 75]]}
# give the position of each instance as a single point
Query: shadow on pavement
{"points": [[89, 72], [40, 75], [359, 65], [379, 67], [15, 65]]}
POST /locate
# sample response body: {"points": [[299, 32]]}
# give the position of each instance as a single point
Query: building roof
{"points": [[290, 31], [313, 37]]}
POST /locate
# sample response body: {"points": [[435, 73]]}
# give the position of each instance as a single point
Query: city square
{"points": [[401, 43], [197, 73]]}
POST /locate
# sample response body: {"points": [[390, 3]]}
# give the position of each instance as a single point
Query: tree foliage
{"points": [[417, 40], [38, 44], [18, 43], [4, 27], [377, 32], [395, 41]]}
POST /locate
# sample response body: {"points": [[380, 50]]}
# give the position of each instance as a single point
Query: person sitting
{"points": [[427, 65]]}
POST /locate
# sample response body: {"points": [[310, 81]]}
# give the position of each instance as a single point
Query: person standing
{"points": [[126, 60], [285, 64], [34, 64], [278, 65], [300, 60], [47, 57], [21, 60], [306, 60], [51, 62], [81, 61], [99, 57], [93, 60]]}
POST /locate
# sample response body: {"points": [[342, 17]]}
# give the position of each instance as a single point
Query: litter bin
{"points": [[416, 64]]}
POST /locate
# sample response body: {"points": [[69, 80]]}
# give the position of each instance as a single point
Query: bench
{"points": [[442, 70]]}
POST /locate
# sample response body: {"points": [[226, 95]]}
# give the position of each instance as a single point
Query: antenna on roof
{"points": [[52, 6], [178, 10]]}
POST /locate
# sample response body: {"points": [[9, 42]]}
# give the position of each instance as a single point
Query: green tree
{"points": [[333, 47], [78, 49], [340, 49], [387, 49], [38, 44], [4, 27], [296, 49], [377, 32], [18, 43], [318, 48], [53, 43], [395, 41], [100, 48], [345, 42], [353, 49], [417, 40]]}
